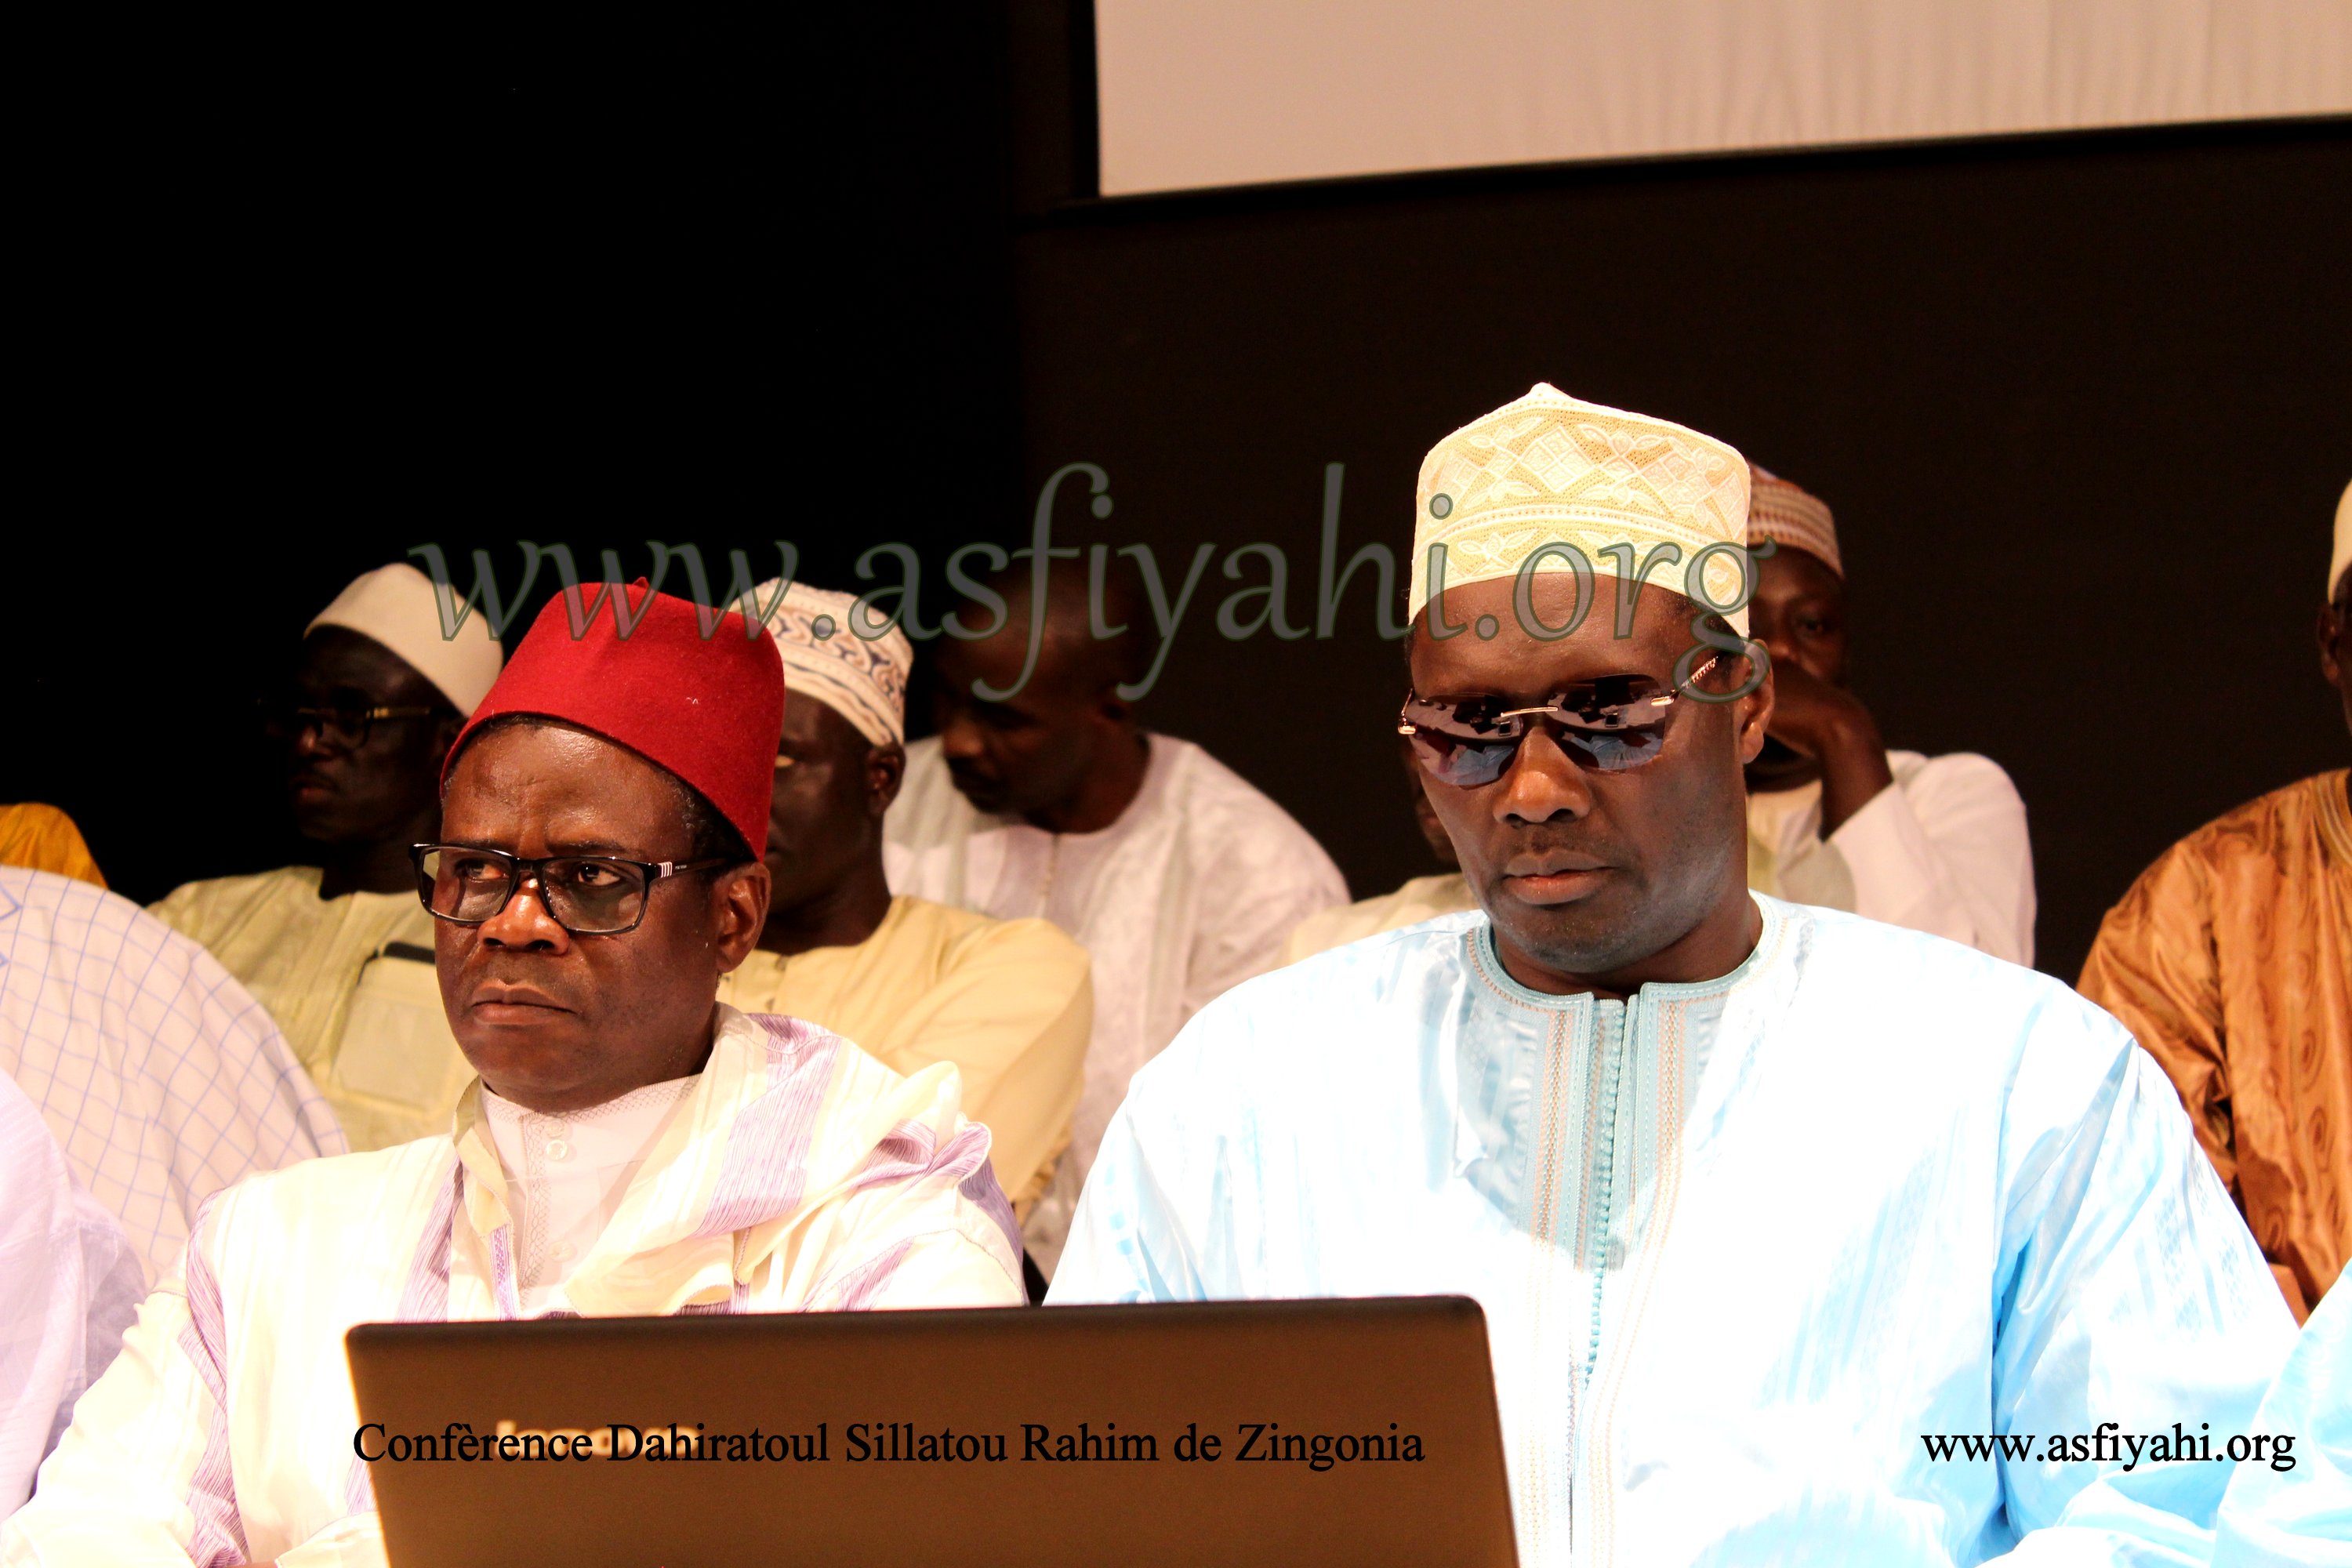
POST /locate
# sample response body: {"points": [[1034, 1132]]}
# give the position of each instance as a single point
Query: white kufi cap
{"points": [[828, 655], [399, 607]]}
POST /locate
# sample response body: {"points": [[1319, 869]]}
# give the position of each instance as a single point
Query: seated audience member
{"points": [[2230, 960], [69, 1285], [1177, 876], [43, 838], [160, 1078], [1421, 899], [2294, 1506], [911, 982], [1936, 844], [1596, 1105], [632, 1147], [339, 952]]}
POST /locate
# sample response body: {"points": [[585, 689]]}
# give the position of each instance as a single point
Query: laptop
{"points": [[1299, 1433]]}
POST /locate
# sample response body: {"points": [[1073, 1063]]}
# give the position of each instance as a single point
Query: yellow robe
{"points": [[2230, 960], [1009, 1002], [43, 838], [351, 983], [1422, 898]]}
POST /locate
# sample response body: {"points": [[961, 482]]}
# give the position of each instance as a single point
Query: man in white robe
{"points": [[1760, 1200], [631, 1146], [1049, 799], [163, 1081], [69, 1285], [1936, 844]]}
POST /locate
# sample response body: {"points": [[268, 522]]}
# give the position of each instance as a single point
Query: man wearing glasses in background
{"points": [[340, 953], [1754, 1196], [632, 1148]]}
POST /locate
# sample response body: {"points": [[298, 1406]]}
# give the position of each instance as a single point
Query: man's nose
{"points": [[960, 739], [1776, 641], [524, 922], [1544, 783], [311, 740]]}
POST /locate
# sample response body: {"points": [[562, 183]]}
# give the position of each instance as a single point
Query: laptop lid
{"points": [[1340, 1432]]}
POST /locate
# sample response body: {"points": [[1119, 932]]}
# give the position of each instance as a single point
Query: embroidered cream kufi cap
{"points": [[825, 657], [399, 607], [1551, 468], [2343, 555], [1790, 515]]}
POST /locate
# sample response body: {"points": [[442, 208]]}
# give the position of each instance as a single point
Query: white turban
{"points": [[398, 607], [828, 655], [1504, 490], [1789, 514]]}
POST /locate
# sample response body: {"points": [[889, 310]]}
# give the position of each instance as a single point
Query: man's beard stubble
{"points": [[1641, 913]]}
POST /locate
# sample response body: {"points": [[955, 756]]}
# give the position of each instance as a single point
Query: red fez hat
{"points": [[708, 708]]}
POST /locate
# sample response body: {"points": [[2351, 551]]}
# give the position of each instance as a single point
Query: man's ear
{"points": [[2331, 628], [886, 769], [739, 912], [1753, 713]]}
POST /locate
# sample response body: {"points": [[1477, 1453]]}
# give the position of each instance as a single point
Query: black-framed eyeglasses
{"points": [[587, 895], [1610, 725], [346, 721]]}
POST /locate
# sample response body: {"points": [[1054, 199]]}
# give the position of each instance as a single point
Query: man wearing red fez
{"points": [[630, 1147]]}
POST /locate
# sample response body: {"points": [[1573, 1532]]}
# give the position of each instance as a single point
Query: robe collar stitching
{"points": [[1486, 961]]}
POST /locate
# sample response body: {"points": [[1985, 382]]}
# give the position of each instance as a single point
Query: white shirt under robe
{"points": [[797, 1174], [566, 1173], [1741, 1243], [1194, 887], [1943, 850]]}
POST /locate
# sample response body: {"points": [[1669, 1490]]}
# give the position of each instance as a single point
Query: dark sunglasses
{"points": [[1608, 726]]}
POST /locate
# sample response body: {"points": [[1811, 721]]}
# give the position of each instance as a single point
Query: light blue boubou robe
{"points": [[1741, 1245], [2296, 1507]]}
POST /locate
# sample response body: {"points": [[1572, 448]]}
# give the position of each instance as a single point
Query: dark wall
{"points": [[307, 299], [303, 302], [2083, 406]]}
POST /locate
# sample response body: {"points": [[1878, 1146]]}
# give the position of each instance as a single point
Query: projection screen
{"points": [[1222, 92]]}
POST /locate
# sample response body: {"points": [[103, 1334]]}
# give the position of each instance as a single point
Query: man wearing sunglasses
{"points": [[632, 1147], [1758, 1198], [338, 953]]}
